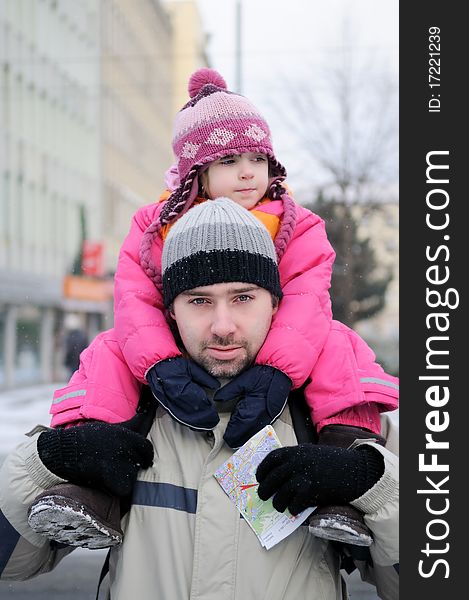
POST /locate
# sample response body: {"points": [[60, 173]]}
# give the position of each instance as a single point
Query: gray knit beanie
{"points": [[216, 242]]}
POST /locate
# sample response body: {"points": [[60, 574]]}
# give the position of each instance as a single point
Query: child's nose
{"points": [[246, 171]]}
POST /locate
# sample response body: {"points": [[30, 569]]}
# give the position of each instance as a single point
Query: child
{"points": [[224, 148]]}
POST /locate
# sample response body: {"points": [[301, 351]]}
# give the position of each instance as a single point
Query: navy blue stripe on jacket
{"points": [[165, 495], [8, 539]]}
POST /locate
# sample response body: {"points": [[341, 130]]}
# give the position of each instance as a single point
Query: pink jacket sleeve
{"points": [[103, 388], [139, 321], [347, 376], [301, 325]]}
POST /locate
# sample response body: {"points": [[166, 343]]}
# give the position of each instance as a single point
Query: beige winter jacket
{"points": [[184, 539]]}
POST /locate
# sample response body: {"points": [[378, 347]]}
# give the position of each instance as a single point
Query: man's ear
{"points": [[170, 312], [275, 304]]}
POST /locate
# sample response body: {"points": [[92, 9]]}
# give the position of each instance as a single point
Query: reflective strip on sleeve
{"points": [[74, 394], [379, 382]]}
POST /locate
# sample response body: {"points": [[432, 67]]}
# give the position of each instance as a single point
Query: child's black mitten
{"points": [[312, 475], [107, 456]]}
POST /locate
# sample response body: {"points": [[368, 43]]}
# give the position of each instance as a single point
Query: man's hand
{"points": [[310, 475], [95, 454], [262, 392], [176, 384]]}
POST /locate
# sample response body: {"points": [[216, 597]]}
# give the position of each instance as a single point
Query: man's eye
{"points": [[198, 301], [244, 298]]}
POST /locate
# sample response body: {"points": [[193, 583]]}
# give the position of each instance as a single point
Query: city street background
{"points": [[88, 95]]}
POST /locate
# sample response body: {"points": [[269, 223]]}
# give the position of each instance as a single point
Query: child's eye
{"points": [[227, 161]]}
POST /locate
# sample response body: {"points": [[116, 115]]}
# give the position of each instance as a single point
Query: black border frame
{"points": [[421, 132]]}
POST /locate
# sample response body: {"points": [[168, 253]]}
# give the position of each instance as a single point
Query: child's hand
{"points": [[177, 385], [263, 392], [107, 456], [309, 475]]}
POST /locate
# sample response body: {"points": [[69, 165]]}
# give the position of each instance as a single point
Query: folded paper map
{"points": [[237, 476]]}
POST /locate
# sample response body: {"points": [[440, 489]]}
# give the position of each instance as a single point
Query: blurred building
{"points": [[49, 149], [188, 46], [136, 80], [148, 51], [86, 110]]}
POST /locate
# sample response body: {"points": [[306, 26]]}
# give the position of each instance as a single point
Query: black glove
{"points": [[176, 384], [101, 455], [311, 475], [262, 392]]}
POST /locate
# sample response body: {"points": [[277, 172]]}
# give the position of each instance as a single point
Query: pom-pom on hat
{"points": [[214, 123], [218, 242]]}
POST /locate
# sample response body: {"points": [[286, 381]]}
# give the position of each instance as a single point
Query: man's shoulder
{"points": [[390, 430]]}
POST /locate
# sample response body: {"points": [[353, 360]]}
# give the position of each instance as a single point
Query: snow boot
{"points": [[77, 516], [342, 523]]}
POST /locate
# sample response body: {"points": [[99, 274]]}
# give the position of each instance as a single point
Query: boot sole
{"points": [[68, 522], [340, 529]]}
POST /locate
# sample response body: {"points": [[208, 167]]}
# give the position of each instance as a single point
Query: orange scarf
{"points": [[271, 222]]}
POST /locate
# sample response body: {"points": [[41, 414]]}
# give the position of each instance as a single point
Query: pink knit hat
{"points": [[214, 123]]}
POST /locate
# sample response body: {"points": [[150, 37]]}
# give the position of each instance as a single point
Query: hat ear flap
{"points": [[182, 198], [276, 169], [146, 261], [287, 225]]}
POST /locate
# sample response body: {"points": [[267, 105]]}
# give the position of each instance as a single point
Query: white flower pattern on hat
{"points": [[189, 150], [255, 132], [220, 136]]}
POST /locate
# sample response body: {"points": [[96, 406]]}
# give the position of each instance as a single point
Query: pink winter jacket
{"points": [[300, 328], [345, 377]]}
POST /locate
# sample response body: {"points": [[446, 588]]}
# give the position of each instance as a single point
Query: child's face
{"points": [[241, 177]]}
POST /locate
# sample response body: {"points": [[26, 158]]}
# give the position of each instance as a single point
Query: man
{"points": [[76, 341], [183, 538]]}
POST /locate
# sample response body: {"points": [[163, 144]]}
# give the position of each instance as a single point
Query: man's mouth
{"points": [[224, 352]]}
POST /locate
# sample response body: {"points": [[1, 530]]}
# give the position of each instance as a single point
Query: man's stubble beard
{"points": [[216, 368], [224, 368], [220, 369]]}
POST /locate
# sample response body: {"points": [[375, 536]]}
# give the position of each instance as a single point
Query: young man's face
{"points": [[223, 326]]}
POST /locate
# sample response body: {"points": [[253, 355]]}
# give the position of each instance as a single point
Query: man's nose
{"points": [[223, 323]]}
